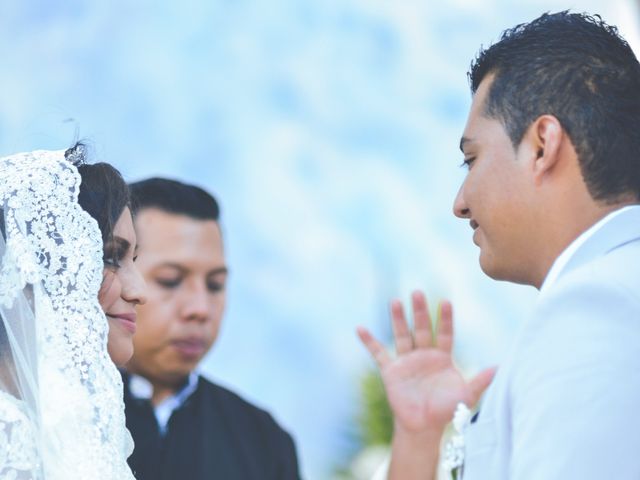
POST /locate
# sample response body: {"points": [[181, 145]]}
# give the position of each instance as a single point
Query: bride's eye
{"points": [[111, 262], [113, 255]]}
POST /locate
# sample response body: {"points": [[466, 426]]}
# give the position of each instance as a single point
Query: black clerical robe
{"points": [[214, 435]]}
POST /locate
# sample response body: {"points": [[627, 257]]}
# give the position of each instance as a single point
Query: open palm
{"points": [[423, 385]]}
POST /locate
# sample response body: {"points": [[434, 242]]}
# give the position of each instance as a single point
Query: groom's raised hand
{"points": [[423, 385]]}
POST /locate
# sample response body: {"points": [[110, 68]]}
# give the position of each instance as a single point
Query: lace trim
{"points": [[56, 247]]}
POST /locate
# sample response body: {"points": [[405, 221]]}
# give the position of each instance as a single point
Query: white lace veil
{"points": [[61, 407]]}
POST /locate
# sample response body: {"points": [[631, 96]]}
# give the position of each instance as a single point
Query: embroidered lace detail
{"points": [[55, 247], [18, 455]]}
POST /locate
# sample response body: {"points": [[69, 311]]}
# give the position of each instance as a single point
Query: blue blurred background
{"points": [[329, 131]]}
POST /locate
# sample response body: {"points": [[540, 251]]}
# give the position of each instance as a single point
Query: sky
{"points": [[327, 129]]}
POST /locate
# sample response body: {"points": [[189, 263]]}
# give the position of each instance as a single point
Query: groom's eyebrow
{"points": [[463, 141]]}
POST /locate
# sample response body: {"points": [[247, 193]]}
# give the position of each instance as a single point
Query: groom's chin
{"points": [[491, 265], [504, 271]]}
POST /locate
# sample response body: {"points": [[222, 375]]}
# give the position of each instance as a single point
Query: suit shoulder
{"points": [[588, 322], [236, 404], [612, 279], [617, 272], [586, 305], [227, 396]]}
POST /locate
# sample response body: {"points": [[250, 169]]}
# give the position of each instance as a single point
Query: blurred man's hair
{"points": [[580, 70], [175, 197]]}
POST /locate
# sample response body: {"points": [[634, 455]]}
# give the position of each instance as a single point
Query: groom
{"points": [[184, 426], [552, 195]]}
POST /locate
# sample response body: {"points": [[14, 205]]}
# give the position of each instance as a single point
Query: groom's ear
{"points": [[544, 141]]}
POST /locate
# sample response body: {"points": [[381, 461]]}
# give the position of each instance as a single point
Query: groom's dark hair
{"points": [[580, 70], [175, 197]]}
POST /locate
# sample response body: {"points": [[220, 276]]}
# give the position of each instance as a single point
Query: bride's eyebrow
{"points": [[118, 245]]}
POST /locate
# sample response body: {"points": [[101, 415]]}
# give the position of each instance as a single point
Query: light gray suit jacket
{"points": [[566, 403]]}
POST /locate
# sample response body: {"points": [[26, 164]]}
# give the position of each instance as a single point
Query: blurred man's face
{"points": [[182, 261]]}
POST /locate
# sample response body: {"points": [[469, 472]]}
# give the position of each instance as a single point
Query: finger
{"points": [[479, 384], [401, 333], [444, 335], [421, 320], [376, 349]]}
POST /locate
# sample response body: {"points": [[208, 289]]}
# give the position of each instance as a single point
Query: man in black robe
{"points": [[184, 426]]}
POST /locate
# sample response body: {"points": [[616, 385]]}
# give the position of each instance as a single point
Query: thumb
{"points": [[479, 384]]}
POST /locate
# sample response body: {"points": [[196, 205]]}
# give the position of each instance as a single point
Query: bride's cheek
{"points": [[108, 294], [119, 344], [111, 339]]}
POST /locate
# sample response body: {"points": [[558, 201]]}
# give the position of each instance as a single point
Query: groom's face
{"points": [[182, 261], [495, 194]]}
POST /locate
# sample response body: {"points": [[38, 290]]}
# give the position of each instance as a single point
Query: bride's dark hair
{"points": [[103, 192]]}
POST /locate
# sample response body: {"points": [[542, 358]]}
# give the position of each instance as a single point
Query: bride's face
{"points": [[122, 289]]}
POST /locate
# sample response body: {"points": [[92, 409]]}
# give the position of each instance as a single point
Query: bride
{"points": [[67, 308]]}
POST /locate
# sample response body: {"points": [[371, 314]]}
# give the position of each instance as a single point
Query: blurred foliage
{"points": [[375, 419], [374, 425]]}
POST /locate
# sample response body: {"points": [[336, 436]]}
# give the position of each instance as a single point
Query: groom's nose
{"points": [[460, 208]]}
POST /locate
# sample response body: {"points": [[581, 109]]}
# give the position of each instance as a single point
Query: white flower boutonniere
{"points": [[454, 450]]}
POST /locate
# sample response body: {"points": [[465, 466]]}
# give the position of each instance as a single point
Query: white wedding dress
{"points": [[18, 453], [61, 407]]}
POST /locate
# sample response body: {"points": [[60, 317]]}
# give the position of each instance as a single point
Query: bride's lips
{"points": [[127, 320], [190, 348]]}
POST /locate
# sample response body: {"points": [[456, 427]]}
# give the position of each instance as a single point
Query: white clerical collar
{"points": [[561, 262], [141, 388]]}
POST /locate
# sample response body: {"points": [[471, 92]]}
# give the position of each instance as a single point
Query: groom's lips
{"points": [[475, 226], [127, 320], [191, 348]]}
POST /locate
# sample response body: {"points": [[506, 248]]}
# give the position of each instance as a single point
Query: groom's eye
{"points": [[168, 282], [215, 286], [467, 162]]}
